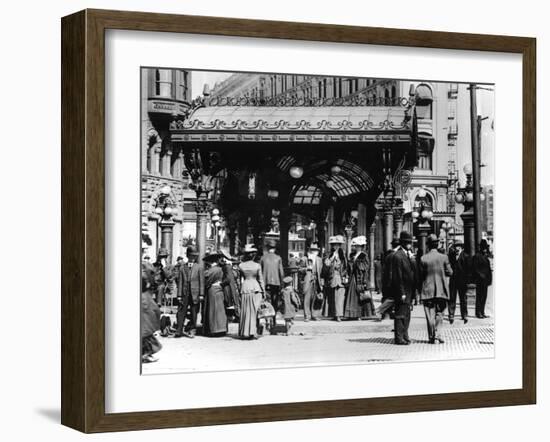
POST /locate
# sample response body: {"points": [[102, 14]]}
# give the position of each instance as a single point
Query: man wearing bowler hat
{"points": [[434, 270], [190, 290], [402, 283]]}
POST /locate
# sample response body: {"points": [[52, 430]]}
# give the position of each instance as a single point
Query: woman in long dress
{"points": [[252, 292], [355, 308], [214, 322]]}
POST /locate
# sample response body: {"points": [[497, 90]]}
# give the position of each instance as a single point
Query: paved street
{"points": [[326, 342]]}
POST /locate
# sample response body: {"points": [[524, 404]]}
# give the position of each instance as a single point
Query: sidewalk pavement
{"points": [[325, 342]]}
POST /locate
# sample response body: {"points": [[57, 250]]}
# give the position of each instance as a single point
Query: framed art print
{"points": [[276, 220]]}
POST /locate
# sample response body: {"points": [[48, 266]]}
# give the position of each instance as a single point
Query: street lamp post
{"points": [[422, 213], [215, 217], [165, 208], [465, 196], [446, 227]]}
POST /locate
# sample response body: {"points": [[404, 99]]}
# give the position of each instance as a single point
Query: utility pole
{"points": [[476, 164]]}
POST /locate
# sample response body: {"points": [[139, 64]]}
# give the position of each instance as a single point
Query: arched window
{"points": [[424, 101]]}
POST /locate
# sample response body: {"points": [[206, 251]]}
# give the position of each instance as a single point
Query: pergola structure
{"points": [[319, 161]]}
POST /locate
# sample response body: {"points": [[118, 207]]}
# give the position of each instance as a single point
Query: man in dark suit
{"points": [[482, 276], [402, 283], [190, 283], [387, 304], [461, 265], [434, 270], [272, 269]]}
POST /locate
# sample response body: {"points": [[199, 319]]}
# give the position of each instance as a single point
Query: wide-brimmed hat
{"points": [[360, 240], [314, 246], [162, 252], [458, 243], [433, 239], [395, 242], [405, 237], [249, 248], [287, 279], [337, 239]]}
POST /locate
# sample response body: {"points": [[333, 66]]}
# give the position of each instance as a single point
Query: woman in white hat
{"points": [[252, 292], [337, 275], [358, 300]]}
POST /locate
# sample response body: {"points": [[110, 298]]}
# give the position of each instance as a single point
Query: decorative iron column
{"points": [[362, 228], [167, 236], [232, 235], [372, 231], [388, 201], [242, 229], [284, 226], [202, 208], [329, 225], [387, 218]]}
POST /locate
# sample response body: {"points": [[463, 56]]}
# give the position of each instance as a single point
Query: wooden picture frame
{"points": [[83, 219]]}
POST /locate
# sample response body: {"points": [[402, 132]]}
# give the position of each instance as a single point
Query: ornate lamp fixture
{"points": [[165, 207], [465, 195], [422, 213], [296, 172], [447, 227]]}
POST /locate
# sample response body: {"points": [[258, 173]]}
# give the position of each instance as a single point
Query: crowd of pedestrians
{"points": [[254, 288]]}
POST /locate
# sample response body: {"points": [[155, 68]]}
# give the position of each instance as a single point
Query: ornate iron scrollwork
{"points": [[295, 101]]}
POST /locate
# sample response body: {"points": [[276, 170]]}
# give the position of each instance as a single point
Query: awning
{"points": [[295, 124]]}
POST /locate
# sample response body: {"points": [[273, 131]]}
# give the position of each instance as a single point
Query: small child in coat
{"points": [[291, 303]]}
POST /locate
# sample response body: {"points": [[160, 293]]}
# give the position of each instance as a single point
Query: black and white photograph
{"points": [[307, 220]]}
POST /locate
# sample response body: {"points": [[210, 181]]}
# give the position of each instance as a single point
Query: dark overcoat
{"points": [[401, 277], [481, 270], [190, 282], [462, 270]]}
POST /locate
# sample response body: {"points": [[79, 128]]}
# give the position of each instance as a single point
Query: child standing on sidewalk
{"points": [[291, 302]]}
